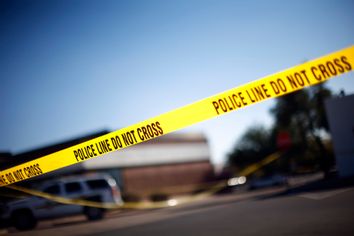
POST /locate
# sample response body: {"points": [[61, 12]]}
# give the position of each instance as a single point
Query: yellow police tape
{"points": [[290, 80], [253, 168], [210, 190], [125, 205]]}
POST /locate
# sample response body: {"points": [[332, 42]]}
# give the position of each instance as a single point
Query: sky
{"points": [[70, 68]]}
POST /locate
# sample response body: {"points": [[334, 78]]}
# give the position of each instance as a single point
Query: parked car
{"points": [[23, 214], [268, 181]]}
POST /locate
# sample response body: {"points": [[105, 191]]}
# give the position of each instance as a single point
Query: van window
{"points": [[53, 189], [73, 187], [98, 184]]}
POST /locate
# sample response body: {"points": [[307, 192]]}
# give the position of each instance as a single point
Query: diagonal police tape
{"points": [[211, 189], [88, 203], [254, 167], [290, 80], [126, 205]]}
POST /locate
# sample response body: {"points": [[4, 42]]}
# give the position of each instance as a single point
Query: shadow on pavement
{"points": [[316, 186]]}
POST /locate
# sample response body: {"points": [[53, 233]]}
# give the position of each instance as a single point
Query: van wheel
{"points": [[93, 213], [23, 220]]}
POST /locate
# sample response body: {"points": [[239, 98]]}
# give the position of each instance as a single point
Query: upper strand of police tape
{"points": [[281, 83]]}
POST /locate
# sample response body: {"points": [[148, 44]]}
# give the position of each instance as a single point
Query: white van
{"points": [[23, 214]]}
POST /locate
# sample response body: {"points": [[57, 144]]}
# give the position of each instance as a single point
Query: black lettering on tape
{"points": [[340, 68], [10, 178], [331, 68], [156, 132], [265, 90], [103, 146], [3, 180], [18, 175], [344, 59], [275, 87], [116, 142], [253, 99], [229, 103], [278, 86], [129, 138], [32, 170], [298, 79], [242, 98], [258, 93], [149, 131], [108, 145], [85, 152], [303, 72], [76, 154], [315, 73], [216, 106], [223, 105], [160, 130], [323, 70], [236, 100]]}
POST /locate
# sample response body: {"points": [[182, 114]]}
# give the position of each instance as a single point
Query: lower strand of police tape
{"points": [[210, 189]]}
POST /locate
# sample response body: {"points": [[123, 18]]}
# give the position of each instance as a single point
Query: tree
{"points": [[290, 115], [302, 115], [319, 122], [255, 144], [320, 94]]}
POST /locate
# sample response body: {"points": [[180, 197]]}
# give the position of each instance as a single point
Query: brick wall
{"points": [[167, 179]]}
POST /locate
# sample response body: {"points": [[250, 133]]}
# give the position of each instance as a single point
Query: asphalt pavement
{"points": [[309, 213], [319, 208]]}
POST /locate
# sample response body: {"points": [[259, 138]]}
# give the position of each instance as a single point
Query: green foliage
{"points": [[256, 138], [320, 94], [254, 145]]}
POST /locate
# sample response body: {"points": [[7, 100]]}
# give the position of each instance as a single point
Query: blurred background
{"points": [[74, 70], [73, 67]]}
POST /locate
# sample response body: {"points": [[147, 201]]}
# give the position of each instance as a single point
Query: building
{"points": [[171, 164], [340, 115]]}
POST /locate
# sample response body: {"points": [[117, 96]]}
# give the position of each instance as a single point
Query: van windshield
{"points": [[98, 184]]}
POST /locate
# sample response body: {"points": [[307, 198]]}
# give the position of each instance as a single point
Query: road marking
{"points": [[319, 195]]}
